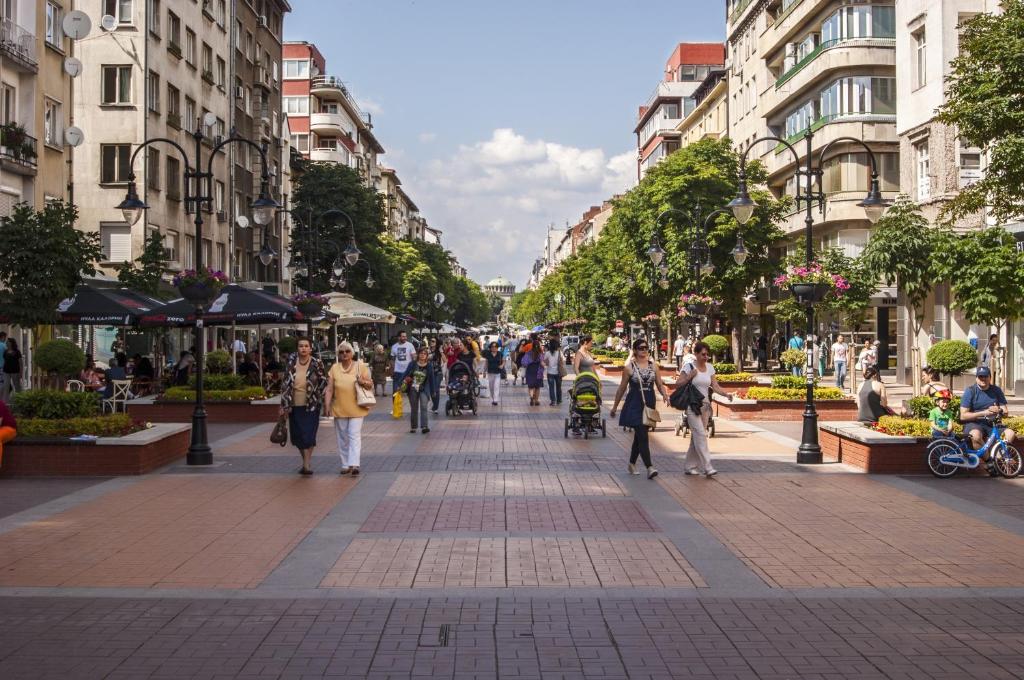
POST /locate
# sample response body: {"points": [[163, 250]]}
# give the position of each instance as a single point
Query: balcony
{"points": [[670, 90], [327, 123], [19, 45], [18, 151], [871, 128], [788, 22], [840, 209], [331, 87], [329, 155]]}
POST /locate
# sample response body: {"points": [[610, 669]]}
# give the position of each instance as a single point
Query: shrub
{"points": [[718, 344], [62, 357], [735, 377], [908, 427], [920, 407], [288, 344], [216, 381], [116, 425], [792, 394], [723, 368], [952, 357], [791, 382], [793, 357], [244, 394], [56, 404], [599, 338], [218, 361]]}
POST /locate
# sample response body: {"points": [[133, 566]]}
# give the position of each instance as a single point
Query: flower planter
{"points": [[697, 309], [854, 444], [752, 409], [809, 293], [310, 309], [161, 411], [133, 454], [200, 293]]}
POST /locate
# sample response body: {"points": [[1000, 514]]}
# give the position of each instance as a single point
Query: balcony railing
{"points": [[827, 45], [335, 83], [18, 42], [836, 117], [739, 10], [19, 147]]}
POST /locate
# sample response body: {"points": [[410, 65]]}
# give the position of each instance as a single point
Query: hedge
{"points": [[116, 425], [62, 357], [735, 377], [792, 394], [791, 382], [793, 357], [185, 394], [920, 407], [55, 404], [723, 368], [216, 381], [952, 357], [218, 361], [718, 344], [287, 345]]}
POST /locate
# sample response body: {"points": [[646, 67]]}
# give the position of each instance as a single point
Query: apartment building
{"points": [[709, 118], [35, 103], [672, 100], [826, 66]]}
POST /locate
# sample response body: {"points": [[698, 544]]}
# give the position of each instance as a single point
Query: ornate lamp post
{"points": [[199, 193], [743, 208]]}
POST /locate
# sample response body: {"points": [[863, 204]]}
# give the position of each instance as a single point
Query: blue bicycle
{"points": [[948, 455]]}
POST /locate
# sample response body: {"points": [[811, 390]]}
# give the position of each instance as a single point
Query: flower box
{"points": [[788, 410], [164, 411], [854, 444]]}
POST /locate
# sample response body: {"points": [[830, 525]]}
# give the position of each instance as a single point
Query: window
{"points": [[171, 246], [154, 17], [117, 85], [920, 58], [861, 21], [859, 95], [300, 142], [153, 168], [116, 240], [295, 105], [207, 252], [121, 10], [220, 129], [190, 251], [153, 92], [53, 123], [222, 262], [218, 196], [174, 32], [221, 12], [173, 178], [190, 113], [238, 35], [801, 119], [114, 168], [852, 172], [296, 68], [54, 15], [250, 46], [9, 103], [173, 103], [273, 71], [190, 46], [222, 71], [922, 170], [208, 60], [248, 100]]}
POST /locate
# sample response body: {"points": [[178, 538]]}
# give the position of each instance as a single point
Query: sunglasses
{"points": [[642, 349]]}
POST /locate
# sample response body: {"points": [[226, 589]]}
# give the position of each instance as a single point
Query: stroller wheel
{"points": [[566, 428], [586, 432], [604, 428]]}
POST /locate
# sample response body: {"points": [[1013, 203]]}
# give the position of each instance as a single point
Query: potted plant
{"points": [[28, 149], [697, 304], [310, 304], [200, 287], [809, 284], [13, 136]]}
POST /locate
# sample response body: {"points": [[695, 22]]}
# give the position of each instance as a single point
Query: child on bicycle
{"points": [[942, 416]]}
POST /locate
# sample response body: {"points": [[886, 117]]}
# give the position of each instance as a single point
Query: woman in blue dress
{"points": [[639, 380]]}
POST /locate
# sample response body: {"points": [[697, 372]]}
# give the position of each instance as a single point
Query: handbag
{"points": [[364, 397], [279, 435], [562, 370], [651, 416]]}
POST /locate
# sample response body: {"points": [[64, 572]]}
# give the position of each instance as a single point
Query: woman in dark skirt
{"points": [[640, 377], [302, 398], [533, 371]]}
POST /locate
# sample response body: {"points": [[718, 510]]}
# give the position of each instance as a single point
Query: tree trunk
{"points": [[737, 341], [915, 353]]}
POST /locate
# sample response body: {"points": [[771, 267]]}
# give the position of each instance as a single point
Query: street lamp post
{"points": [[199, 193], [743, 208]]}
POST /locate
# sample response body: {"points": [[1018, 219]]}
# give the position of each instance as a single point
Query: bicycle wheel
{"points": [[934, 456], [1006, 460]]}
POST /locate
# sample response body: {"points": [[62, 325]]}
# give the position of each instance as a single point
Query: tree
{"points": [[901, 251], [469, 303], [42, 258], [983, 94], [147, 272], [496, 303], [952, 357]]}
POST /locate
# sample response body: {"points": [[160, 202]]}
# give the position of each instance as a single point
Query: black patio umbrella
{"points": [[235, 304], [90, 306]]}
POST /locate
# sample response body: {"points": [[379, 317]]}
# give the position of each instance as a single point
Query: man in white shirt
{"points": [[988, 353], [402, 352], [238, 347], [678, 350], [840, 353]]}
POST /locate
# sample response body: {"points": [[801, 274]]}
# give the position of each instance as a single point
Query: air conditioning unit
{"points": [[263, 20], [222, 216]]}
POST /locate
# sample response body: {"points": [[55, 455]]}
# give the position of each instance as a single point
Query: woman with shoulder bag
{"points": [[302, 398], [702, 375], [640, 377], [344, 380], [419, 380]]}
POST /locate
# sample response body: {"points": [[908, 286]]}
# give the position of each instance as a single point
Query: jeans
{"points": [[798, 370], [555, 388], [641, 446], [11, 384], [679, 362], [494, 386], [841, 374], [698, 456], [396, 382], [350, 440], [419, 404]]}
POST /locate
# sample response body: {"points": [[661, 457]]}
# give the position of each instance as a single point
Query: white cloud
{"points": [[494, 199], [427, 137], [370, 106]]}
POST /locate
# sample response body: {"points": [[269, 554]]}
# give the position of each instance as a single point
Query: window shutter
{"points": [[117, 242]]}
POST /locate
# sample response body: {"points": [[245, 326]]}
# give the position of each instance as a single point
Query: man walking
{"points": [[402, 353], [840, 352], [678, 350], [797, 342]]}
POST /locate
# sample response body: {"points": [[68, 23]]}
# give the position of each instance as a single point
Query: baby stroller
{"points": [[585, 406], [683, 427], [461, 389]]}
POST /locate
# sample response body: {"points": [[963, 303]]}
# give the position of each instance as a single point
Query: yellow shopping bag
{"points": [[396, 405]]}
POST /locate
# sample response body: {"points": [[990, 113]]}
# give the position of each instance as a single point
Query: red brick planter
{"points": [[871, 451], [216, 411], [840, 409], [134, 454], [612, 371]]}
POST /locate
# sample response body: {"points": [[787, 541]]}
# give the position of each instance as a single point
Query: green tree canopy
{"points": [[146, 274]]}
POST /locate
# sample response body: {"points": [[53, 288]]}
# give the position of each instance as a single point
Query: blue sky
{"points": [[503, 117]]}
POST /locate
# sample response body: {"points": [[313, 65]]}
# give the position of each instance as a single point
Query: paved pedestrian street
{"points": [[494, 547]]}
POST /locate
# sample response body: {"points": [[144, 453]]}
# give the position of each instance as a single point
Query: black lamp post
{"points": [[199, 193], [743, 208]]}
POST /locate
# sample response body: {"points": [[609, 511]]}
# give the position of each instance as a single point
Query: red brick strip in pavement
{"points": [[506, 484], [848, 531], [172, 531]]}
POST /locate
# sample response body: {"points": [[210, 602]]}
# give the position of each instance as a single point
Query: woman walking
{"points": [[702, 375], [639, 380], [554, 368], [12, 369], [348, 414], [533, 372], [420, 382], [584, 360], [439, 364], [380, 369], [302, 398], [494, 368]]}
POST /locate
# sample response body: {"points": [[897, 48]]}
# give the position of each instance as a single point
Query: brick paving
{"points": [[17, 495]]}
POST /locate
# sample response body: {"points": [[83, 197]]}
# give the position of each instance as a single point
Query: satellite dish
{"points": [[242, 221], [209, 119], [108, 22], [77, 24], [73, 66], [74, 136]]}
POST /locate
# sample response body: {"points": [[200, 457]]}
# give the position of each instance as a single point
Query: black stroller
{"points": [[461, 389], [585, 407]]}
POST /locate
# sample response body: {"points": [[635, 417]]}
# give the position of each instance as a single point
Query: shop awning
{"points": [[105, 307], [235, 304], [351, 311]]}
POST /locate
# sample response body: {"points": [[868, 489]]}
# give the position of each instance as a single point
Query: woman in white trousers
{"points": [[340, 399], [702, 374]]}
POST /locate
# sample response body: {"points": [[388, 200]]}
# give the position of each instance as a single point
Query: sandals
{"points": [[305, 473]]}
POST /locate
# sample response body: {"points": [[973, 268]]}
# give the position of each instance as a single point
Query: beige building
{"points": [[35, 103], [709, 118], [828, 67]]}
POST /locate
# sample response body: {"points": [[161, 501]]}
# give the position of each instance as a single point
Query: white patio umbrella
{"points": [[351, 311]]}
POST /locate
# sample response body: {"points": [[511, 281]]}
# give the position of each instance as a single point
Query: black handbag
{"points": [[280, 432], [686, 397]]}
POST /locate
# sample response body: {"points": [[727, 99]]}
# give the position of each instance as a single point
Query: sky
{"points": [[504, 117]]}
